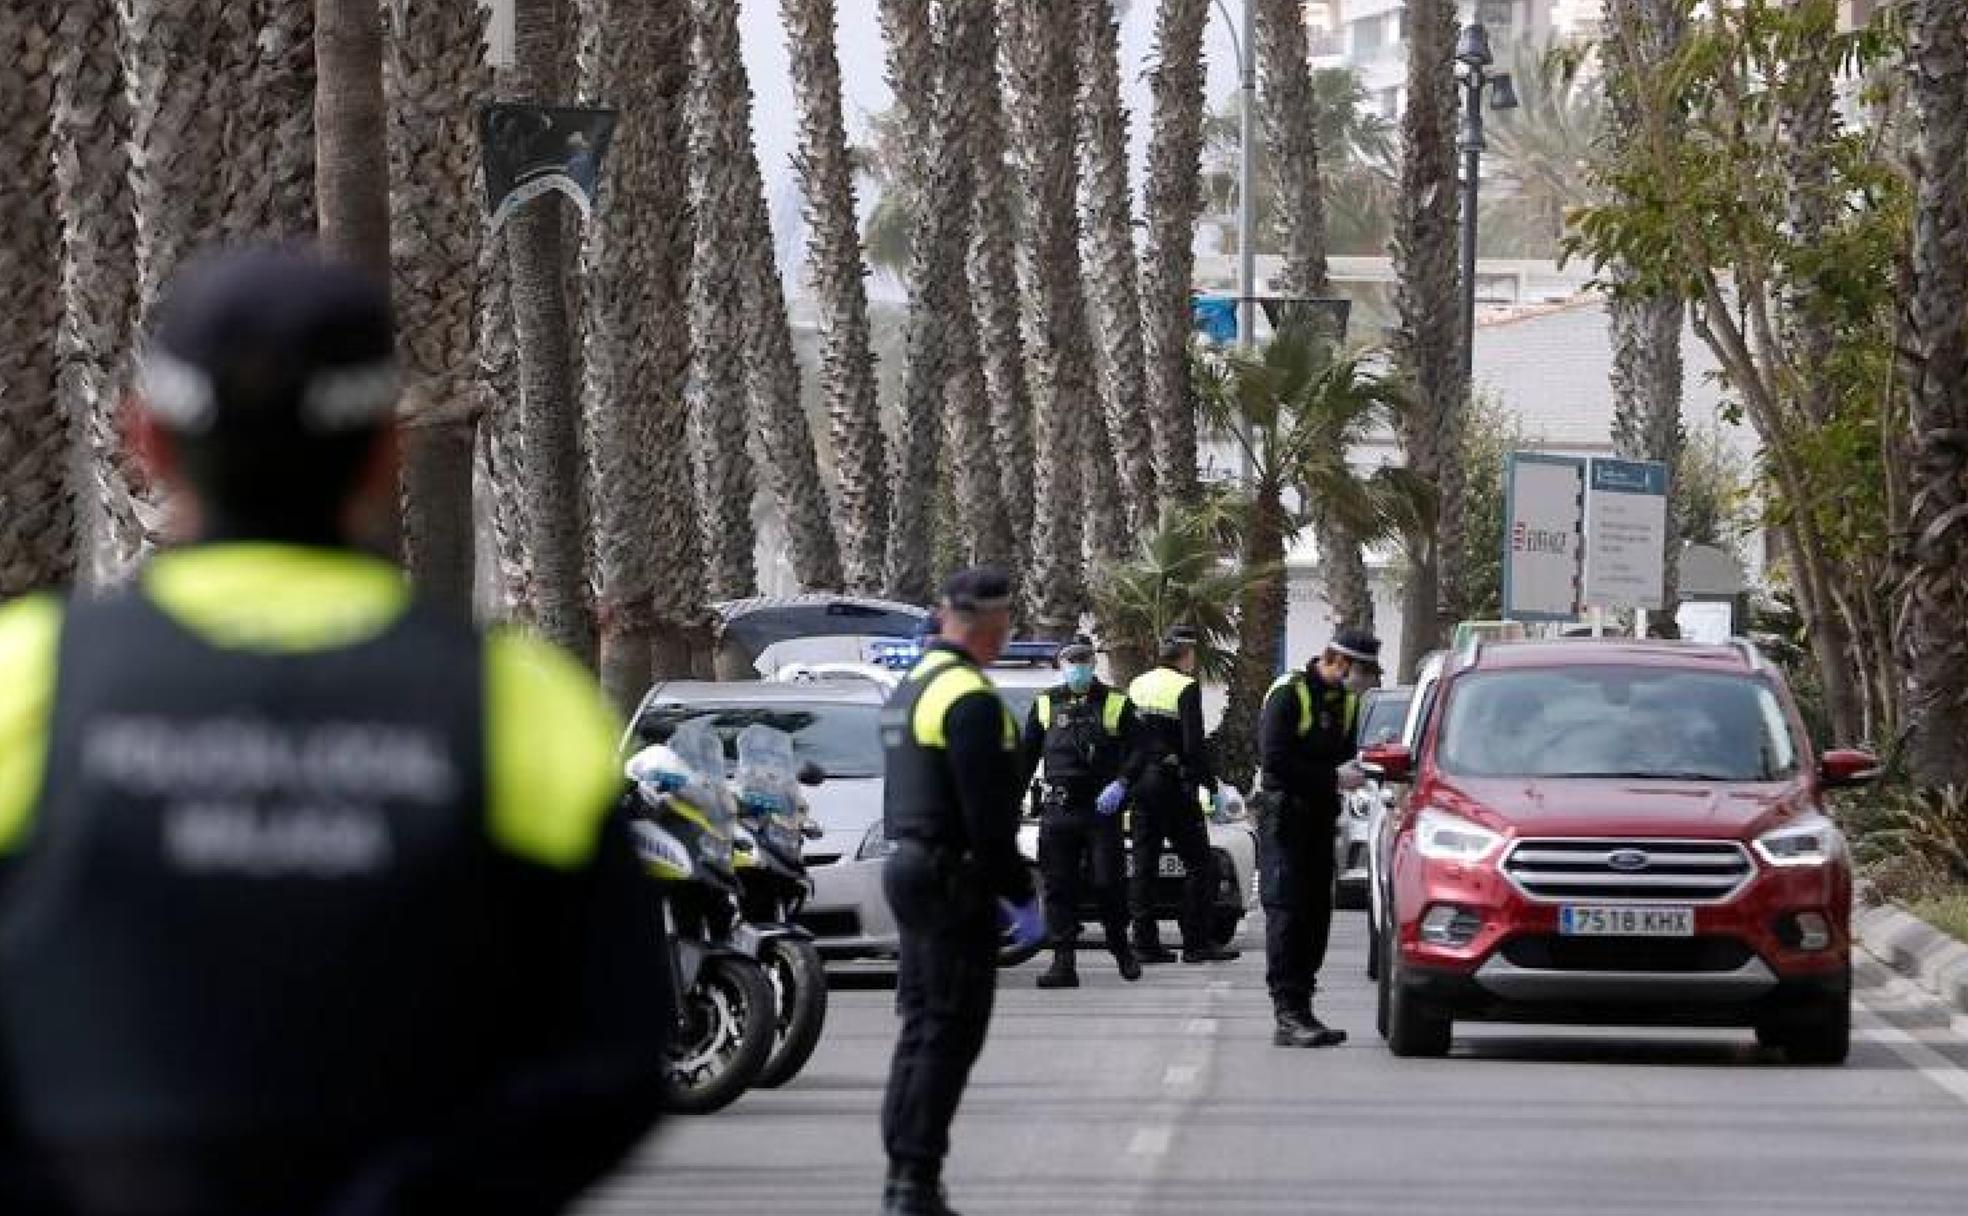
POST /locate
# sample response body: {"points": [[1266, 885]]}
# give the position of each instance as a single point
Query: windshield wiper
{"points": [[1658, 774]]}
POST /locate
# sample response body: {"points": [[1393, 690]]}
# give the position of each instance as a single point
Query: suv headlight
{"points": [[1811, 840], [874, 843], [1440, 836]]}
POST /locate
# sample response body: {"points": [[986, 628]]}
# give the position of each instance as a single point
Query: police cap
{"points": [[978, 589], [273, 343], [1359, 645], [1079, 650]]}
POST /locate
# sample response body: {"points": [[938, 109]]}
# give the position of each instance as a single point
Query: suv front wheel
{"points": [[1818, 1036], [1411, 1029]]}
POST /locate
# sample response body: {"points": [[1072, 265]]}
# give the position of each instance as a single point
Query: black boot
{"points": [[1210, 954], [1148, 946], [1298, 1028], [1062, 973], [1124, 958], [915, 1188]]}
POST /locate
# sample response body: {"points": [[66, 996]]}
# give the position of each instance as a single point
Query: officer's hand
{"points": [[1111, 798], [1024, 922], [1350, 776]]}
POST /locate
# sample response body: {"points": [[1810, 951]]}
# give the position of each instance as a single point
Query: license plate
{"points": [[1601, 920], [1170, 867]]}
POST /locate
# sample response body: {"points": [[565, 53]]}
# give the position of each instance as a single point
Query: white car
{"points": [[1421, 699], [1382, 714]]}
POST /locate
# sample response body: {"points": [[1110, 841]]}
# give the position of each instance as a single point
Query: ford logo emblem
{"points": [[1628, 860]]}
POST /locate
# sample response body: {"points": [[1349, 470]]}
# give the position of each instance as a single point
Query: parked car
{"points": [[756, 637], [1381, 716], [1616, 833]]}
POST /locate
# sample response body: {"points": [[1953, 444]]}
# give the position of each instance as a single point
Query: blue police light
{"points": [[899, 656]]}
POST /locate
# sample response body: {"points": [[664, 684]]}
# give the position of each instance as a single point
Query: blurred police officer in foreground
{"points": [[1175, 765], [951, 803], [1080, 737], [1305, 741], [310, 897]]}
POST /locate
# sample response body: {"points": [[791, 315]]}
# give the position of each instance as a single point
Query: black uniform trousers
{"points": [[1295, 877], [944, 992], [1165, 809], [1080, 854]]}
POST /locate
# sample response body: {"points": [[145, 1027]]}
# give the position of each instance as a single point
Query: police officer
{"points": [[1305, 740], [1174, 767], [311, 899], [951, 803], [1080, 733]]}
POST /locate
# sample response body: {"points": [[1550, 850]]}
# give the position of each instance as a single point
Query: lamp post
{"points": [[1473, 60], [1245, 47]]}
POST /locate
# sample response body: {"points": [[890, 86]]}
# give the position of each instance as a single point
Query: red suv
{"points": [[1617, 833]]}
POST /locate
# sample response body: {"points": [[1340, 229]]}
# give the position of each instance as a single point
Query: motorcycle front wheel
{"points": [[799, 990], [724, 1039]]}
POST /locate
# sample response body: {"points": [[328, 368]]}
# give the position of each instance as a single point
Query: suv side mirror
{"points": [[811, 774], [1388, 761], [1843, 767]]}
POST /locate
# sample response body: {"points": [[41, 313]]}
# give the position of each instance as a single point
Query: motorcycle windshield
{"points": [[701, 751], [767, 775]]}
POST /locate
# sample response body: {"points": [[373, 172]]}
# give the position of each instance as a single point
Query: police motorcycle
{"points": [[771, 835], [682, 817]]}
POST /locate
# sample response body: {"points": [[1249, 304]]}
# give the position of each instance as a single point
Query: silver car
{"points": [[1382, 712]]}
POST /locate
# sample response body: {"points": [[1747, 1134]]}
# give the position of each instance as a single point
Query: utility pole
{"points": [[1473, 60]]}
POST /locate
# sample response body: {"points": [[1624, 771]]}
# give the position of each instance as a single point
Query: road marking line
{"points": [[1201, 1026], [1150, 1142], [1925, 1060], [1219, 985], [1904, 996], [1180, 1074]]}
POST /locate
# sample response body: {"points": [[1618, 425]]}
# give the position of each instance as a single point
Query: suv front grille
{"points": [[1550, 952], [1629, 871]]}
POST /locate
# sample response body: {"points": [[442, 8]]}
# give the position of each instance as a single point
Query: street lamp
{"points": [[1246, 196], [1473, 60]]}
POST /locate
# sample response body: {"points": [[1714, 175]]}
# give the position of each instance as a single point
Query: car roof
{"points": [[731, 610], [764, 692], [1612, 652]]}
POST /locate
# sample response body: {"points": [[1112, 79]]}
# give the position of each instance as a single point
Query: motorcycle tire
{"points": [[799, 989], [1010, 955], [726, 1040]]}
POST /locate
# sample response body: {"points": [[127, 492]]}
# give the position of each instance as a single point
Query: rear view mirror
{"points": [[1842, 767], [1387, 761], [811, 774]]}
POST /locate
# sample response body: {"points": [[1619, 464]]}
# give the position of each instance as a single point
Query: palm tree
{"points": [[352, 180], [38, 515], [847, 362], [1429, 342], [1180, 574], [771, 367], [1295, 409], [91, 127], [994, 283], [269, 177], [1542, 151], [549, 413], [1291, 128], [884, 162], [649, 573], [725, 475], [1115, 278], [1936, 376], [1174, 197], [1042, 69], [1645, 330], [433, 72]]}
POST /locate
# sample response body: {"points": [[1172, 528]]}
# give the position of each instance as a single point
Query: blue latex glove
{"points": [[1111, 798], [1024, 922]]}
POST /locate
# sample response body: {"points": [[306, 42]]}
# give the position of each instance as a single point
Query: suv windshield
{"points": [[844, 739], [1386, 713], [1632, 722]]}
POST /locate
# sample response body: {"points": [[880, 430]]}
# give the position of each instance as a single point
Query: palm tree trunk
{"points": [[1291, 132], [1115, 281], [1043, 72], [1174, 200], [1429, 341], [1343, 570], [847, 361], [994, 289], [1646, 330], [1260, 619], [38, 465], [269, 170], [549, 403], [725, 474], [635, 58], [912, 68], [1936, 375], [771, 368], [351, 144], [500, 456], [434, 74], [91, 127]]}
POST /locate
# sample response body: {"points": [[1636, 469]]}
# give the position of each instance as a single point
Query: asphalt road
{"points": [[1167, 1097]]}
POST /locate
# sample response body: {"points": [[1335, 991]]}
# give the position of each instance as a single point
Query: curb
{"points": [[1925, 955]]}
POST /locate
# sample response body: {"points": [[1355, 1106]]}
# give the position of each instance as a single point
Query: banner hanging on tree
{"points": [[530, 150]]}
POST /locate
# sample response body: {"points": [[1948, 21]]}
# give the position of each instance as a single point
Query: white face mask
{"points": [[1359, 679]]}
